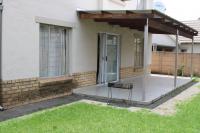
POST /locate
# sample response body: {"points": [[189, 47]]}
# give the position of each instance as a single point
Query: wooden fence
{"points": [[164, 63]]}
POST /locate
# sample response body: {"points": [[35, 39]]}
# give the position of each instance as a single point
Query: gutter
{"points": [[1, 12]]}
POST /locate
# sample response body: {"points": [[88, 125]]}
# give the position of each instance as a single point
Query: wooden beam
{"points": [[105, 12], [134, 14], [181, 28], [119, 20], [140, 23], [167, 29], [155, 12], [113, 16], [161, 26], [158, 22], [129, 12]]}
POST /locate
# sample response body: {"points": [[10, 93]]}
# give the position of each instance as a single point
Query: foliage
{"points": [[180, 70]]}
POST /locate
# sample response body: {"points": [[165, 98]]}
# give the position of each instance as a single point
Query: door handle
{"points": [[105, 58]]}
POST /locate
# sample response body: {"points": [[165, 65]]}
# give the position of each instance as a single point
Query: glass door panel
{"points": [[108, 58], [112, 58]]}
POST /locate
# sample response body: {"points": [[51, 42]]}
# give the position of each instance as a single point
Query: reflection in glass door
{"points": [[112, 50], [108, 58]]}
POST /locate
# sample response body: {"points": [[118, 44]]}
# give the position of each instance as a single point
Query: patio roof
{"points": [[159, 23]]}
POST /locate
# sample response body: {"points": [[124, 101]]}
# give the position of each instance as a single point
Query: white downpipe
{"points": [[142, 4], [100, 4]]}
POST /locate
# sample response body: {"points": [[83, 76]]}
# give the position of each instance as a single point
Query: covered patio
{"points": [[147, 87], [157, 86]]}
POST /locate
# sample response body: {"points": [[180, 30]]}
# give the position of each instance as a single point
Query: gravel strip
{"points": [[169, 107]]}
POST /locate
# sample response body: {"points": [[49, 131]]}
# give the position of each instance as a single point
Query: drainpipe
{"points": [[1, 11], [100, 4]]}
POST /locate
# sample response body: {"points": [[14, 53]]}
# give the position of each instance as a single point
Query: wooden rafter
{"points": [[159, 23]]}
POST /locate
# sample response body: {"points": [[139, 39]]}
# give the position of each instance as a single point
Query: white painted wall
{"points": [[188, 47], [145, 4], [127, 5], [149, 4], [20, 50], [21, 32], [119, 5]]}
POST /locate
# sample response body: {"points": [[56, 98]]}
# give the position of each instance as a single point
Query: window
{"points": [[139, 54], [54, 51]]}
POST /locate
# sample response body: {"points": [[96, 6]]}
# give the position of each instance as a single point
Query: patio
{"points": [[156, 86]]}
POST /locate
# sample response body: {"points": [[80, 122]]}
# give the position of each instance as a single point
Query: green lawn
{"points": [[196, 79], [85, 118]]}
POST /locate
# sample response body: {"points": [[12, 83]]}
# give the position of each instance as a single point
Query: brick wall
{"points": [[24, 91], [17, 92], [85, 78], [128, 72], [89, 78], [164, 63]]}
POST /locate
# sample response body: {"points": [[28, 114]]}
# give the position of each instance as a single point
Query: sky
{"points": [[182, 9]]}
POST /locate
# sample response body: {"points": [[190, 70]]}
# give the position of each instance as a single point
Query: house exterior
{"points": [[46, 50], [185, 44], [49, 48], [163, 43]]}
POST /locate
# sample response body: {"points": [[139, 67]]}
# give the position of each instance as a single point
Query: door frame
{"points": [[102, 72]]}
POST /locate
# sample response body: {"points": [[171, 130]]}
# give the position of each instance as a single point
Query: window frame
{"points": [[67, 50], [139, 55]]}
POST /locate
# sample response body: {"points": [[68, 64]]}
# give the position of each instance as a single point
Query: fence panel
{"points": [[164, 63]]}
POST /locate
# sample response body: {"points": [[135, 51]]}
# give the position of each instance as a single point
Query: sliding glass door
{"points": [[108, 57]]}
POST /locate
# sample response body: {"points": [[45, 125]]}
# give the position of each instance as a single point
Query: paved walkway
{"points": [[34, 107], [169, 107], [166, 108]]}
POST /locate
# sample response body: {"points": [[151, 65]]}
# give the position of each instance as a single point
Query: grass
{"points": [[85, 118], [196, 79]]}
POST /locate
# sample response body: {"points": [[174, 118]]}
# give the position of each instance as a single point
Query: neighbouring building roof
{"points": [[194, 24], [163, 40], [170, 40]]}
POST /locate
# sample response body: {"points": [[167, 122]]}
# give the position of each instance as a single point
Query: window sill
{"points": [[55, 81]]}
